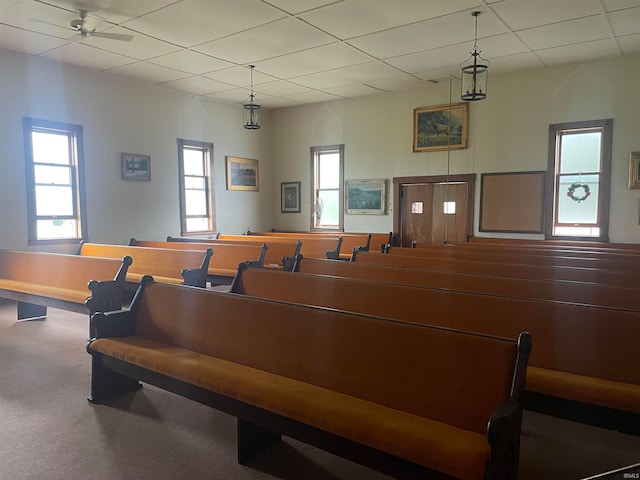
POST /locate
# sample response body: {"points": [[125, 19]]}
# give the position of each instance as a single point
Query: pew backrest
{"points": [[310, 247]]}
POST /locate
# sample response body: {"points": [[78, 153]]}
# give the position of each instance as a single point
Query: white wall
{"points": [[119, 115], [508, 132]]}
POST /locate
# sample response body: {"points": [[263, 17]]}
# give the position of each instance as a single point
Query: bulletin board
{"points": [[512, 202]]}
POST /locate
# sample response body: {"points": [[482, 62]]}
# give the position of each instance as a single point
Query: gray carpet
{"points": [[49, 431]]}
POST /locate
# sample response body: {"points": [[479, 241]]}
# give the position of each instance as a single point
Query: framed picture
{"points": [[634, 170], [366, 197], [290, 197], [442, 127], [242, 174], [136, 167]]}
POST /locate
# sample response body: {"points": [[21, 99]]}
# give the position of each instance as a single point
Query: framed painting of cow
{"points": [[443, 127]]}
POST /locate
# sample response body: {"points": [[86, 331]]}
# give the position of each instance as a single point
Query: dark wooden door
{"points": [[435, 212]]}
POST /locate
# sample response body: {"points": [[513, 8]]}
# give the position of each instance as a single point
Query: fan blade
{"points": [[112, 36]]}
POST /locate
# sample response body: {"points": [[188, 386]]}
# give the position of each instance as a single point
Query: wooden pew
{"points": [[410, 400], [584, 356], [311, 247], [274, 254], [38, 280], [609, 277], [588, 293], [224, 261], [350, 240], [168, 265], [584, 245], [601, 260], [630, 263]]}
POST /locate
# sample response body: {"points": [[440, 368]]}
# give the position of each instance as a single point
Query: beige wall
{"points": [[508, 132]]}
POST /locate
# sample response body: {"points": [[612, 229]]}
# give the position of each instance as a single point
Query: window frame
{"points": [[207, 148], [315, 152], [74, 135], [605, 126]]}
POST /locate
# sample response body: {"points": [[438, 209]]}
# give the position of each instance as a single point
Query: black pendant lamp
{"points": [[251, 108], [475, 71]]}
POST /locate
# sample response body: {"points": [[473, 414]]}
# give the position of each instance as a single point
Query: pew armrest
{"points": [[503, 433]]}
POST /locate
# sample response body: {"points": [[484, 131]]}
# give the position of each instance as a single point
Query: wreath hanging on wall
{"points": [[581, 194]]}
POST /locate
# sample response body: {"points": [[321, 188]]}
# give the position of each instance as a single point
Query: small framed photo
{"points": [[136, 167], [442, 127], [242, 174], [366, 197], [634, 170], [290, 197]]}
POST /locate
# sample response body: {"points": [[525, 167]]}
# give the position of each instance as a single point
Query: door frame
{"points": [[399, 182]]}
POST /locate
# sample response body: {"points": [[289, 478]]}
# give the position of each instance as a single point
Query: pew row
{"points": [[581, 244], [274, 255], [351, 240], [584, 356], [630, 263], [224, 261], [310, 247], [167, 265], [588, 293], [410, 400], [579, 274], [38, 280]]}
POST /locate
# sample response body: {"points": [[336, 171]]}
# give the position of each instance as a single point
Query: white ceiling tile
{"points": [[348, 75], [450, 30], [235, 95], [625, 22], [149, 72], [192, 22], [629, 44], [317, 59], [40, 18], [354, 18], [87, 56], [298, 6], [140, 47], [197, 85], [281, 88], [566, 33], [27, 42], [277, 38], [280, 102], [313, 96], [579, 52], [352, 91], [519, 14], [116, 11], [613, 5], [396, 84], [519, 61], [190, 61], [239, 76]]}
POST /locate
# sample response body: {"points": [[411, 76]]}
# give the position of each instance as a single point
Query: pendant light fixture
{"points": [[251, 108], [475, 71]]}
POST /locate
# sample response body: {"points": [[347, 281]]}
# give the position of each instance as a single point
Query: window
{"points": [[579, 172], [54, 170], [327, 165], [196, 187]]}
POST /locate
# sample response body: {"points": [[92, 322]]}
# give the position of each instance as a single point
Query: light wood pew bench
{"points": [[187, 267], [224, 261], [325, 247], [585, 364], [410, 400], [37, 280], [273, 256]]}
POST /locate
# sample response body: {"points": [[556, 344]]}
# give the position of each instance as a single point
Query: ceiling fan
{"points": [[85, 26]]}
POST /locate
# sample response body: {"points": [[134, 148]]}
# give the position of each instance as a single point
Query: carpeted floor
{"points": [[49, 431]]}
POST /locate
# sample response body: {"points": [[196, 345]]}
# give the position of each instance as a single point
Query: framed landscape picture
{"points": [[136, 167], [242, 174], [366, 197], [442, 127], [290, 197]]}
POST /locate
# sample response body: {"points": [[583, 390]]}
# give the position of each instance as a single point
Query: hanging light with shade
{"points": [[251, 108], [475, 71]]}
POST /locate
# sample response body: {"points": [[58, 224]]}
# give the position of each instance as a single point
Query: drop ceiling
{"points": [[307, 51]]}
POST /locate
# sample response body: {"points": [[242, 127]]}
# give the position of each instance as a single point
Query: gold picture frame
{"points": [[634, 170], [243, 174], [442, 127]]}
